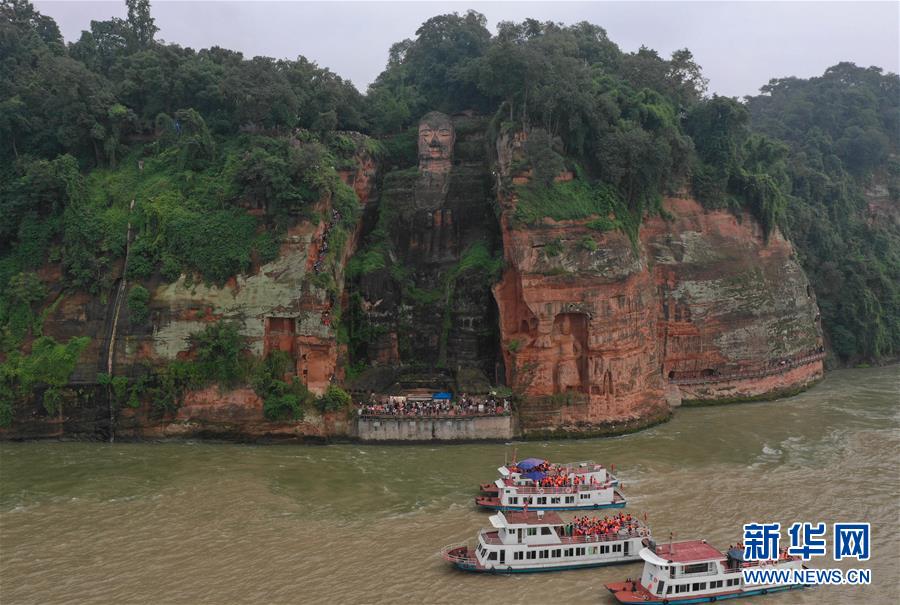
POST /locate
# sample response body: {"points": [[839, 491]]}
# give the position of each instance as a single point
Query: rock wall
{"points": [[277, 306], [236, 414], [736, 311], [596, 329], [578, 327]]}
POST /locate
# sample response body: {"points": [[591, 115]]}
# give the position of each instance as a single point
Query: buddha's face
{"points": [[436, 138]]}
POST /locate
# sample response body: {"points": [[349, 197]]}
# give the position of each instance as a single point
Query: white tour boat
{"points": [[538, 485], [522, 542], [695, 572]]}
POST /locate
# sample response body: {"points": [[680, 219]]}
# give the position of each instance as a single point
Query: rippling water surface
{"points": [[220, 523]]}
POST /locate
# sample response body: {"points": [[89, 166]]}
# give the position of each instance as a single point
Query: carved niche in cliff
{"points": [[432, 220], [570, 336]]}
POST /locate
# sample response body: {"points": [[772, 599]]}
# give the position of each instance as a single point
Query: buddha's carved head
{"points": [[436, 139], [565, 326]]}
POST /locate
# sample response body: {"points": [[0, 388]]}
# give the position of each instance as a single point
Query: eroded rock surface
{"points": [[595, 327]]}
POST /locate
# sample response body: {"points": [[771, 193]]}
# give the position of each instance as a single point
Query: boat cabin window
{"points": [[604, 549], [542, 500], [545, 554], [555, 500], [585, 496], [556, 553], [695, 568], [698, 586], [682, 588], [532, 531], [545, 531], [733, 582], [592, 550], [532, 554], [661, 589], [518, 556], [579, 552], [570, 552], [513, 499], [716, 584], [492, 556], [570, 499], [617, 547]]}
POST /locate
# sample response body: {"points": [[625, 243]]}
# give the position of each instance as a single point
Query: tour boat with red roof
{"points": [[533, 541], [536, 484], [695, 572]]}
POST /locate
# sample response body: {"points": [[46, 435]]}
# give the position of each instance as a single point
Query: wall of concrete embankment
{"points": [[435, 429]]}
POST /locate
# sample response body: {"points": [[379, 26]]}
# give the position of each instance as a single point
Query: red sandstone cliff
{"points": [[597, 331]]}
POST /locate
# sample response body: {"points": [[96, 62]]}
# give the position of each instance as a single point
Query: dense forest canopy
{"points": [[211, 129]]}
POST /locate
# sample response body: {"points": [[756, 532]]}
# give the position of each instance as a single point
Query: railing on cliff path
{"points": [[789, 364], [447, 416]]}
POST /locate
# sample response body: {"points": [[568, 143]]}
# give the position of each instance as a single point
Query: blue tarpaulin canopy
{"points": [[535, 475], [529, 463], [442, 395]]}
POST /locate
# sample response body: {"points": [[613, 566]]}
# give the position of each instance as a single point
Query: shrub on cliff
{"points": [[281, 400], [47, 367], [220, 353], [138, 297], [335, 398]]}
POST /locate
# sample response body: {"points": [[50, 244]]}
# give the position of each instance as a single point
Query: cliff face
{"points": [[278, 306], [597, 330], [737, 315]]}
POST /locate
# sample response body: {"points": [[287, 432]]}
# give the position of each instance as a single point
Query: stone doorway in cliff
{"points": [[570, 336], [279, 336]]}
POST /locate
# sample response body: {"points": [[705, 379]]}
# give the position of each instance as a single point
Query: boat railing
{"points": [[585, 466], [589, 538], [739, 565], [567, 489], [493, 538], [430, 416], [451, 553]]}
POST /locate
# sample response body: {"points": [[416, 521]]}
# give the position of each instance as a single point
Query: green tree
{"points": [[219, 350], [138, 299], [141, 24]]}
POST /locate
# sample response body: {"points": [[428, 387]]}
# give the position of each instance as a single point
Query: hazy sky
{"points": [[740, 45]]}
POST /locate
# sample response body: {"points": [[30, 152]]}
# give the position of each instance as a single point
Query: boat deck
{"points": [[633, 592]]}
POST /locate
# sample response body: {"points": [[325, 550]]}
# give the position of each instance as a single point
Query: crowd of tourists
{"points": [[563, 479], [783, 554], [595, 526], [323, 244], [465, 405]]}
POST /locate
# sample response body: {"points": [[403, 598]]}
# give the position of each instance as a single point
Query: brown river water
{"points": [[197, 522]]}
